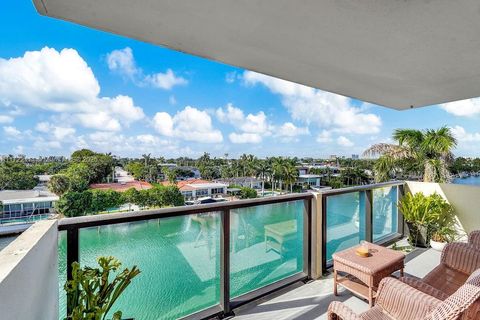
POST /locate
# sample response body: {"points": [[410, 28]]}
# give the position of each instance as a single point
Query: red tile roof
{"points": [[184, 184], [121, 187]]}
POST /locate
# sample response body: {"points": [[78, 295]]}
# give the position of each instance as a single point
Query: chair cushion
{"points": [[445, 279]]}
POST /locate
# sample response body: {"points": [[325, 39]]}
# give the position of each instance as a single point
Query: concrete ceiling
{"points": [[396, 53]]}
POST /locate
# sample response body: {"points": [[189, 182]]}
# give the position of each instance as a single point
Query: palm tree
{"points": [[290, 174], [427, 152], [262, 169]]}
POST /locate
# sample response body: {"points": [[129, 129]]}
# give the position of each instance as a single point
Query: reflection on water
{"points": [[179, 257], [6, 240]]}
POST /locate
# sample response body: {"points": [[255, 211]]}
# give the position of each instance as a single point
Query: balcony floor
{"points": [[310, 301]]}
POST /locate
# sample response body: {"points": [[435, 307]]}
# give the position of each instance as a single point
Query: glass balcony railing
{"points": [[204, 259], [360, 213], [385, 212], [345, 218], [266, 245]]}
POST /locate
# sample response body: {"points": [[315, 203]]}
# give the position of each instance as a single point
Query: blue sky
{"points": [[64, 87]]}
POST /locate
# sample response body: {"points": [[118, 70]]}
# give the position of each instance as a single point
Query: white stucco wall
{"points": [[29, 274]]}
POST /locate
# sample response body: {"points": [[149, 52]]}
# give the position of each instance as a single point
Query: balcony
{"points": [[262, 258]]}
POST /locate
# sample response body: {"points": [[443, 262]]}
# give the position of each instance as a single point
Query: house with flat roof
{"points": [[197, 188], [248, 182], [26, 203]]}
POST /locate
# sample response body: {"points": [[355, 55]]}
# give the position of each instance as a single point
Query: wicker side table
{"points": [[363, 274]]}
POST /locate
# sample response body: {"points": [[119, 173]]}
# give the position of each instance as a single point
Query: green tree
{"points": [[74, 204], [15, 175], [59, 184], [247, 193], [81, 154], [427, 152], [105, 199]]}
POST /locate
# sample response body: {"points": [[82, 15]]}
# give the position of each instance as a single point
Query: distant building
{"points": [[26, 203], [302, 170], [248, 182], [43, 179], [123, 186], [196, 188], [333, 157], [355, 156], [313, 180]]}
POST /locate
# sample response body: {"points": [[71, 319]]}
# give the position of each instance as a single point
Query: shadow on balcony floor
{"points": [[310, 301]]}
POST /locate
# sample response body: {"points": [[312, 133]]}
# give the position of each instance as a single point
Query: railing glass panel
{"points": [[345, 215], [385, 212], [266, 245], [179, 259]]}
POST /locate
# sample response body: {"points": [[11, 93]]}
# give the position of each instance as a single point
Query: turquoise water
{"points": [[474, 181], [179, 257]]}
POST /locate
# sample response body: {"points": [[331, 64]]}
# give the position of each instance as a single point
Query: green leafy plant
{"points": [[91, 293], [426, 216]]}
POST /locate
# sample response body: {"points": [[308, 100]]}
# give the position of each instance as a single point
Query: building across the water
{"points": [[248, 182], [24, 203], [197, 188], [313, 180], [20, 208]]}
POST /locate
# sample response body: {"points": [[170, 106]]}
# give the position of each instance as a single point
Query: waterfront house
{"points": [[20, 208], [249, 182], [193, 189]]}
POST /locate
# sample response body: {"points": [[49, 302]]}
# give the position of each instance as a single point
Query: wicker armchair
{"points": [[458, 262], [474, 239], [397, 300]]}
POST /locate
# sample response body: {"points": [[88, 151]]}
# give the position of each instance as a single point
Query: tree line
{"points": [[94, 201]]}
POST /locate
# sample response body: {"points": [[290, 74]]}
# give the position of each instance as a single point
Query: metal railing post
{"points": [[72, 255], [225, 262], [369, 215], [307, 238]]}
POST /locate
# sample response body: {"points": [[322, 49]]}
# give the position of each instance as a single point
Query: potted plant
{"points": [[443, 225], [441, 237], [427, 216], [92, 292], [416, 214]]}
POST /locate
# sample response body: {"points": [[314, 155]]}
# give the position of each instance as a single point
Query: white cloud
{"points": [[245, 137], [311, 106], [5, 119], [344, 142], [463, 108], [19, 149], [190, 124], [165, 80], [57, 132], [62, 82], [123, 62], [252, 127], [163, 123], [172, 100], [12, 132], [288, 129], [324, 137], [463, 136]]}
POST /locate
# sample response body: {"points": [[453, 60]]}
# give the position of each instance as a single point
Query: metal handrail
{"points": [[331, 192], [123, 217]]}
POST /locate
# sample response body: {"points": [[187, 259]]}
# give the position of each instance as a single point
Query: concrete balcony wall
{"points": [[465, 199], [29, 274]]}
